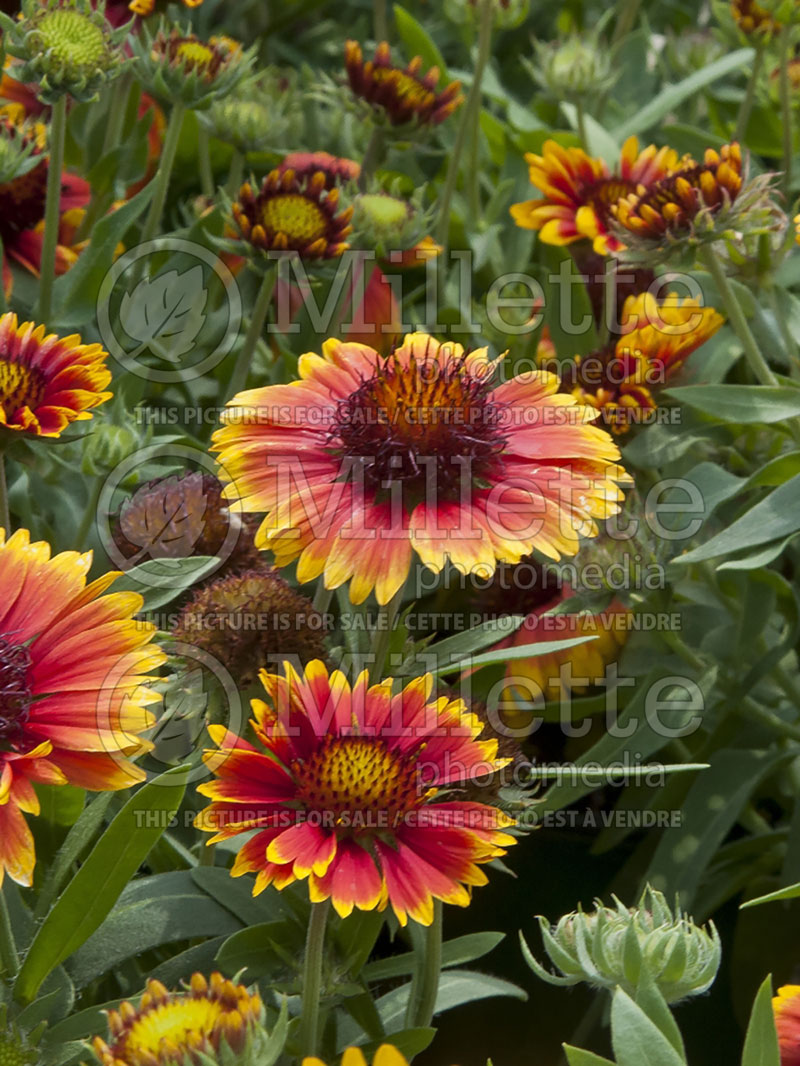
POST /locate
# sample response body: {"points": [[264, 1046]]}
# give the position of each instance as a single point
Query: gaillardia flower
{"points": [[400, 95], [288, 213], [368, 456], [143, 8], [620, 379], [74, 669], [179, 67], [752, 18], [348, 789], [337, 170], [786, 1006], [253, 117], [580, 191], [47, 382], [386, 1055], [65, 46], [212, 1021]]}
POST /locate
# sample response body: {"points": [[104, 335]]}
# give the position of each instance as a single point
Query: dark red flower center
{"points": [[22, 202], [430, 426], [15, 690], [603, 194], [20, 386]]}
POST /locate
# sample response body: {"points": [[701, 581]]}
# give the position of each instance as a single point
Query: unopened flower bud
{"points": [[575, 68]]}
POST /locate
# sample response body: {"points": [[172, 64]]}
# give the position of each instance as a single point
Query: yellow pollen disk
{"points": [[196, 53], [406, 87], [351, 774], [183, 1022], [72, 38], [20, 386], [300, 219]]}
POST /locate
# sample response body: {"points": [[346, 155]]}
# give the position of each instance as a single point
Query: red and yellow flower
{"points": [[400, 94], [369, 456], [620, 380], [48, 382], [386, 1055], [348, 787], [189, 1027], [580, 191], [336, 169], [74, 673], [752, 18], [786, 1006], [292, 214]]}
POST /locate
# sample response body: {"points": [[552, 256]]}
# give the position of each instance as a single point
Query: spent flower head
{"points": [[176, 66], [616, 947], [64, 47]]}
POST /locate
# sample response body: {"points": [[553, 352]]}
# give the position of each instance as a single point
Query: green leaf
{"points": [[673, 96], [775, 517], [761, 1042], [790, 892], [418, 42], [78, 840], [165, 313], [452, 650], [454, 953], [758, 559], [636, 1039], [159, 581], [599, 141], [261, 949], [652, 1002], [409, 1042], [745, 404], [91, 894], [578, 1057], [523, 651]]}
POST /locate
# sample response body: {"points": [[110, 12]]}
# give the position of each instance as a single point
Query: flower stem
{"points": [[254, 331], [118, 109], [236, 173], [312, 978], [168, 153], [733, 309], [5, 518], [204, 159], [484, 51], [786, 108], [380, 21], [628, 12], [52, 211], [9, 959], [383, 635], [581, 119], [750, 94], [467, 123], [372, 156], [425, 984]]}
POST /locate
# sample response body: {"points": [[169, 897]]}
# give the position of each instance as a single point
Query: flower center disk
{"points": [[20, 386], [299, 219], [15, 691], [73, 39], [185, 1023]]}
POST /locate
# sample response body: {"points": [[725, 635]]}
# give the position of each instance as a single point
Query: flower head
{"points": [[47, 382], [786, 1006], [575, 67], [362, 777], [213, 1021], [16, 1048], [251, 621], [253, 116], [391, 225], [695, 204], [386, 1055], [337, 171], [400, 95], [178, 516], [752, 18], [144, 8], [66, 46], [621, 379], [506, 14], [289, 213], [614, 946], [178, 67], [368, 456], [74, 669], [580, 191]]}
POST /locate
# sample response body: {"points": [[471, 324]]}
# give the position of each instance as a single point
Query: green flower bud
{"points": [[578, 67], [16, 1048], [615, 947], [252, 118], [506, 14], [66, 46], [175, 66], [386, 222], [106, 447]]}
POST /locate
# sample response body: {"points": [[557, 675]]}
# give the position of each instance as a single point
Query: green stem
{"points": [[207, 185], [372, 156], [581, 118], [789, 342], [9, 959], [207, 855], [235, 174], [322, 597], [254, 331], [5, 518], [168, 153], [425, 983], [733, 309], [89, 513], [312, 979], [387, 616], [380, 21], [474, 169], [786, 109], [52, 211], [750, 94], [628, 12], [472, 107], [117, 111]]}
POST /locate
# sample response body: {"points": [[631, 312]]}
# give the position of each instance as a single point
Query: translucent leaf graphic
{"points": [[165, 313], [166, 524]]}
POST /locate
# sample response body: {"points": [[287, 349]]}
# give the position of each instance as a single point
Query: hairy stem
{"points": [[52, 212]]}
